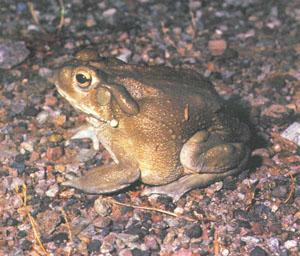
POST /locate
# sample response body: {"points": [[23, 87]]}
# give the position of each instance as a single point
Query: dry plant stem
{"points": [[62, 16], [110, 200], [291, 189], [216, 242], [32, 221], [69, 230], [32, 11]]}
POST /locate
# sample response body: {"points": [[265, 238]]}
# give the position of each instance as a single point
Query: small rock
{"points": [[20, 167], [257, 228], [55, 137], [292, 133], [194, 231], [94, 245], [224, 252], [52, 191], [106, 248], [102, 207], [280, 191], [109, 15], [50, 101], [43, 116], [12, 53], [127, 238], [85, 154], [27, 145], [151, 242], [290, 244], [30, 111], [217, 47], [54, 153], [125, 252], [102, 222], [273, 243], [257, 251], [45, 72], [250, 239], [183, 252]]}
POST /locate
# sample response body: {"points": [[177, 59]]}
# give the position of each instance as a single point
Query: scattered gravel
{"points": [[249, 49]]}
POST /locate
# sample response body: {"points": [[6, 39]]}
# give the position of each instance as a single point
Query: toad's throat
{"points": [[93, 117]]}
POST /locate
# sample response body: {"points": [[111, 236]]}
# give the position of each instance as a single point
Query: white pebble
{"points": [[290, 244]]}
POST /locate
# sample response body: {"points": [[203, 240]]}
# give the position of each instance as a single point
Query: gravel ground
{"points": [[249, 49]]}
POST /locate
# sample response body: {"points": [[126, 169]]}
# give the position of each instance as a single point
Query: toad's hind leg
{"points": [[178, 188], [105, 179], [207, 152]]}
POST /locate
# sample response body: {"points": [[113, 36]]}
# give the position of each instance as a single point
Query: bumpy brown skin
{"points": [[160, 124]]}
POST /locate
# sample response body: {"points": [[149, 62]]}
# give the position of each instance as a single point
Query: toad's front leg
{"points": [[106, 179]]}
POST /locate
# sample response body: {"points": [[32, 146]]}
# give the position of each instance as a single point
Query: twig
{"points": [[216, 242], [62, 15], [110, 200], [32, 221], [291, 189], [33, 13], [69, 230], [36, 19]]}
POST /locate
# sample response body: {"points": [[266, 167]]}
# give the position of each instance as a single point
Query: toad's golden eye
{"points": [[83, 79]]}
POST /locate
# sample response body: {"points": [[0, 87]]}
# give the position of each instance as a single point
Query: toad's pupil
{"points": [[81, 78]]}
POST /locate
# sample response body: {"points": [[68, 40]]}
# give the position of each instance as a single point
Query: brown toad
{"points": [[162, 125]]}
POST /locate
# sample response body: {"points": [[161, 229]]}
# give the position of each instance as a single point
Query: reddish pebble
{"points": [[257, 228], [50, 101], [20, 130], [183, 252], [217, 47], [54, 153], [34, 156]]}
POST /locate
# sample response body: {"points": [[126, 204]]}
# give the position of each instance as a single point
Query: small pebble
{"points": [[102, 207], [54, 153], [257, 251], [290, 244], [94, 245], [52, 191], [217, 47]]}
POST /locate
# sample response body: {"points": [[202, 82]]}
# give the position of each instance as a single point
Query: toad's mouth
{"points": [[92, 116]]}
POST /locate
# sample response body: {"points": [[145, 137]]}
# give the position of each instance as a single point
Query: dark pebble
{"points": [[30, 111], [137, 231], [105, 231], [280, 191], [8, 95], [146, 224], [60, 238], [26, 244], [118, 228], [289, 209], [94, 245], [22, 233], [137, 252], [20, 158], [244, 224], [194, 231], [11, 222], [261, 209], [297, 191], [257, 251], [241, 214], [20, 167]]}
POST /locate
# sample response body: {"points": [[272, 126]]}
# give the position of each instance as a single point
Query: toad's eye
{"points": [[83, 79]]}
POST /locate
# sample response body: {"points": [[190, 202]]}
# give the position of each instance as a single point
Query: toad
{"points": [[163, 126]]}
